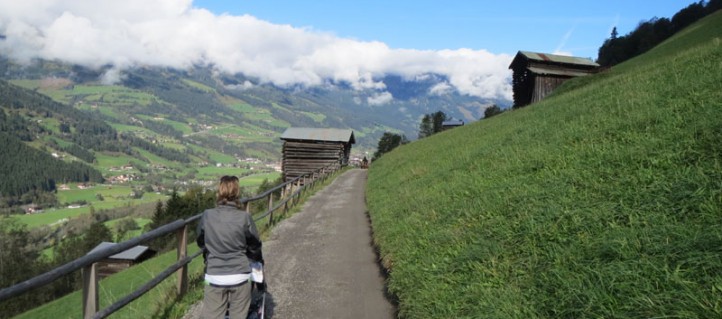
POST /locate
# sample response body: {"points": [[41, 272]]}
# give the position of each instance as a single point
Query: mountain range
{"points": [[165, 123]]}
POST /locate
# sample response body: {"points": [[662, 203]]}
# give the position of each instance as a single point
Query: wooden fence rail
{"points": [[291, 192]]}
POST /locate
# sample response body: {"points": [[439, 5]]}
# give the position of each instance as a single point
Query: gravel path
{"points": [[320, 263]]}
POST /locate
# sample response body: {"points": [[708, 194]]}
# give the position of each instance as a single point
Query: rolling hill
{"points": [[602, 201]]}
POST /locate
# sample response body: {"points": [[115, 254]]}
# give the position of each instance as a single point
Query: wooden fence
{"points": [[291, 192]]}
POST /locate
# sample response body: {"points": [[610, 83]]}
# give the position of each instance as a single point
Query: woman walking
{"points": [[230, 241]]}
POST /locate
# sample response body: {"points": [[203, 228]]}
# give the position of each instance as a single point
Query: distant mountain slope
{"points": [[206, 96], [602, 201]]}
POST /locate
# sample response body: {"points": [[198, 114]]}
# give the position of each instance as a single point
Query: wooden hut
{"points": [[121, 260], [449, 124], [308, 149], [538, 74]]}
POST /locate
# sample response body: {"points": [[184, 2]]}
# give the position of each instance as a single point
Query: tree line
{"points": [[648, 34], [25, 169], [28, 172]]}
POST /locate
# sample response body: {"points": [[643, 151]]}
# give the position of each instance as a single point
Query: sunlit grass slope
{"points": [[603, 201]]}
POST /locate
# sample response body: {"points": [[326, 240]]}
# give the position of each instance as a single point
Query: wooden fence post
{"points": [[182, 252], [90, 290], [247, 206], [270, 207]]}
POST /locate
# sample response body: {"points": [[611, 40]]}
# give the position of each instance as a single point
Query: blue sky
{"points": [[467, 44], [577, 27]]}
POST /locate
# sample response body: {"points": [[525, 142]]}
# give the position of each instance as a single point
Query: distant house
{"points": [[121, 260], [309, 149], [536, 75], [33, 208], [445, 125]]}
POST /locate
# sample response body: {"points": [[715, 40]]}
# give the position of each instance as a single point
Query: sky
{"points": [[321, 42]]}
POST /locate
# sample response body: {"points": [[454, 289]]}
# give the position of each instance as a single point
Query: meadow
{"points": [[113, 196], [602, 201]]}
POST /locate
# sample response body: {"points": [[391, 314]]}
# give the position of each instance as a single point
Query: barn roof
{"points": [[553, 58], [130, 254], [554, 71], [319, 134], [452, 123]]}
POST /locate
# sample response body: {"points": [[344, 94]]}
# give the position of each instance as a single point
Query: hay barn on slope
{"points": [[308, 149], [536, 75], [121, 260]]}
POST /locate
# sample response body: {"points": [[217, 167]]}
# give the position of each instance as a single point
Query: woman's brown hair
{"points": [[228, 190]]}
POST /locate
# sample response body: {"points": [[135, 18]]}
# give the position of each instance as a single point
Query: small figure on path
{"points": [[230, 242]]}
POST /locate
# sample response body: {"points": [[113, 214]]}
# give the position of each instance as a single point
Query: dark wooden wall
{"points": [[544, 85], [303, 157]]}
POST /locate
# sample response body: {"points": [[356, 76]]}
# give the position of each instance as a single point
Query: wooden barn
{"points": [[308, 149], [121, 260], [538, 74], [449, 124]]}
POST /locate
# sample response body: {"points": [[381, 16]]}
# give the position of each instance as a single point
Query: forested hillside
{"points": [[51, 127]]}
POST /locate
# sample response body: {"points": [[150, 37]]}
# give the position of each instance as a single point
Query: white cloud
{"points": [[441, 89], [380, 98], [174, 33], [244, 86], [111, 76]]}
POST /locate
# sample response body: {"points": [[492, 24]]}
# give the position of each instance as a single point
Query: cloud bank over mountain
{"points": [[174, 33]]}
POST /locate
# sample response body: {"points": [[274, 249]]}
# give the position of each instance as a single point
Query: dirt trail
{"points": [[320, 262]]}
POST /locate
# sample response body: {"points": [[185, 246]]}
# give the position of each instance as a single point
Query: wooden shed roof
{"points": [[319, 134], [130, 254], [553, 58]]}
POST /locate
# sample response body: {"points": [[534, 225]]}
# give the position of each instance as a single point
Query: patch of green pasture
{"points": [[199, 86], [257, 179], [61, 142], [51, 124], [243, 107], [182, 127], [155, 159], [103, 109], [221, 158], [116, 197], [89, 194], [27, 84], [107, 160], [316, 117], [175, 146], [213, 173]]}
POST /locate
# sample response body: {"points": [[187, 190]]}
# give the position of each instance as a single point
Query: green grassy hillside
{"points": [[602, 201]]}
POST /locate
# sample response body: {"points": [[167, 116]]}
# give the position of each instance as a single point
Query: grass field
{"points": [[602, 201], [256, 180], [199, 86], [212, 172], [115, 196], [108, 160]]}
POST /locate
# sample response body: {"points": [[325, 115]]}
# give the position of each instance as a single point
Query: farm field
{"points": [[255, 180], [115, 196]]}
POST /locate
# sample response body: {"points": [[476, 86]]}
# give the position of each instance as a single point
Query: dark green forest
{"points": [[28, 172], [648, 34]]}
